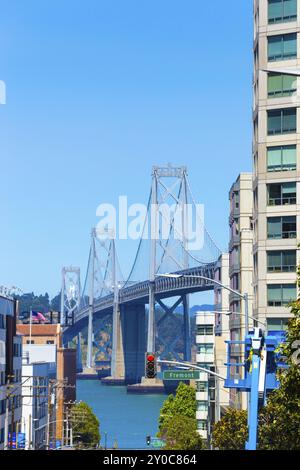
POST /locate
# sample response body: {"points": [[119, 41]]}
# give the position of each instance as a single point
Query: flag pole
{"points": [[30, 327]]}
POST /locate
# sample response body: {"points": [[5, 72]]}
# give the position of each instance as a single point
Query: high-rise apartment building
{"points": [[276, 145], [240, 268]]}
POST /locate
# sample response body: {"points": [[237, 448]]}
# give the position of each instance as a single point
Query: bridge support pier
{"points": [[133, 334], [89, 356], [186, 328], [117, 356], [78, 354]]}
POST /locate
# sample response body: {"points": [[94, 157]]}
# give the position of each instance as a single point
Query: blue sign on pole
{"points": [[12, 439], [21, 440]]}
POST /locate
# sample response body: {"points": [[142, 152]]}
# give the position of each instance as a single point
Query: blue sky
{"points": [[98, 92]]}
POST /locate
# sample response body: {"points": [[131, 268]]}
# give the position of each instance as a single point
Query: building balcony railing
{"points": [[289, 234], [282, 201], [282, 269]]}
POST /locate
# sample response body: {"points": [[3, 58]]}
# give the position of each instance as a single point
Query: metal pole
{"points": [[62, 299], [6, 425], [91, 304], [29, 432], [191, 366], [116, 314], [246, 300], [48, 417], [153, 234]]}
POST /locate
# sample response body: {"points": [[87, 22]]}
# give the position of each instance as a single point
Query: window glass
{"points": [[283, 158]]}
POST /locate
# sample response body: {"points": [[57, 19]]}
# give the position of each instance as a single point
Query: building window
{"points": [[202, 425], [2, 321], [280, 85], [205, 330], [205, 348], [280, 295], [50, 341], [283, 158], [281, 194], [282, 121], [277, 324], [281, 227], [30, 341], [282, 261], [202, 386], [282, 47], [280, 11], [202, 406]]}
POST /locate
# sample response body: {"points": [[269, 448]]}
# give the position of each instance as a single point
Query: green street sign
{"points": [[157, 442], [181, 375]]}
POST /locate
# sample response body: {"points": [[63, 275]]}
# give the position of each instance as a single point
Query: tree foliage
{"points": [[180, 433], [231, 432], [85, 426], [177, 421], [183, 403]]}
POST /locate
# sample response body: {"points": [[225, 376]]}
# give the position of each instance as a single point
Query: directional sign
{"points": [[181, 375], [155, 442]]}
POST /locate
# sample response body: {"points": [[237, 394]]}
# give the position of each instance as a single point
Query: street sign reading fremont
{"points": [[181, 375]]}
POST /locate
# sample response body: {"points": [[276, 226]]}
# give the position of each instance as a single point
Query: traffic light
{"points": [[150, 365], [148, 440]]}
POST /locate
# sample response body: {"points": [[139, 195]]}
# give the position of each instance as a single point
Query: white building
{"points": [[276, 144], [35, 379], [240, 269], [205, 387]]}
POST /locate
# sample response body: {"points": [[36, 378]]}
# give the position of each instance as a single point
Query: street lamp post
{"points": [[244, 297]]}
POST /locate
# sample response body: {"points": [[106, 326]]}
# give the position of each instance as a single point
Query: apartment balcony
{"points": [[234, 297], [203, 434], [234, 214], [201, 415], [205, 339], [234, 241], [234, 268], [202, 396], [205, 358]]}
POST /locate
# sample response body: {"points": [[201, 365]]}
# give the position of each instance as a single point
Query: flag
{"points": [[37, 316]]}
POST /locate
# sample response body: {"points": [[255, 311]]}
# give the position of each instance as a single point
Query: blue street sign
{"points": [[12, 440], [21, 440]]}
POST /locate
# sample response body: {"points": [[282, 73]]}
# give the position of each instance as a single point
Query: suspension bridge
{"points": [[137, 306]]}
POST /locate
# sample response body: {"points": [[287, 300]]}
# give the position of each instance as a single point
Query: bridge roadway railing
{"points": [[164, 287]]}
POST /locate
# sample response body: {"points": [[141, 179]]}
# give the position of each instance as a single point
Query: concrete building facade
{"points": [[276, 144], [35, 379], [240, 268]]}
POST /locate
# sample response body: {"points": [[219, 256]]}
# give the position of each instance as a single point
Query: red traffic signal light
{"points": [[150, 366]]}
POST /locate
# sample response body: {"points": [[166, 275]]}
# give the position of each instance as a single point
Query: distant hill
{"points": [[197, 308]]}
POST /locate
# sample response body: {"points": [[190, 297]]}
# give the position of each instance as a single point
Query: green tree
{"points": [[183, 403], [180, 433], [177, 420], [231, 432], [85, 426]]}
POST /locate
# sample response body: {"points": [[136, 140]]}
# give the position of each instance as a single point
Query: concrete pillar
{"points": [[187, 328], [151, 320], [117, 357], [133, 333]]}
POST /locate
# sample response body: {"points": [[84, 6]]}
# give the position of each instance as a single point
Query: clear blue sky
{"points": [[99, 91]]}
